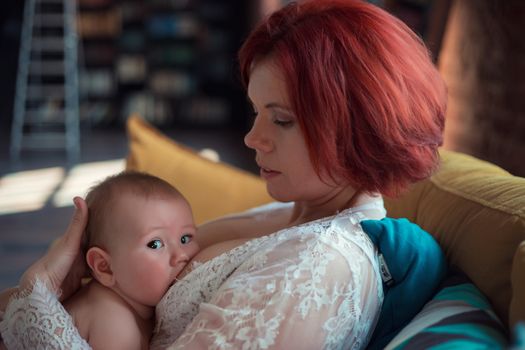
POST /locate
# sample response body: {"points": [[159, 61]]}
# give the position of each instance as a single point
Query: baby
{"points": [[140, 236]]}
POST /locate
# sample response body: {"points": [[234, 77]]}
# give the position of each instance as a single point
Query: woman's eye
{"points": [[155, 244], [186, 239], [282, 122]]}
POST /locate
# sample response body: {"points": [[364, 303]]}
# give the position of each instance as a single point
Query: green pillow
{"points": [[416, 265]]}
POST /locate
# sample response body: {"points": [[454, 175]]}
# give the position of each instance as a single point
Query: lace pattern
{"points": [[313, 286], [37, 320], [196, 287]]}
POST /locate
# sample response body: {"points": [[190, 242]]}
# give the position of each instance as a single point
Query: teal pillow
{"points": [[519, 336], [416, 265], [457, 317]]}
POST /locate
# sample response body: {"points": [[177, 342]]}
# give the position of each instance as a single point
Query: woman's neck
{"points": [[338, 200]]}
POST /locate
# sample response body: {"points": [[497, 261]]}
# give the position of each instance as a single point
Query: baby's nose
{"points": [[177, 256]]}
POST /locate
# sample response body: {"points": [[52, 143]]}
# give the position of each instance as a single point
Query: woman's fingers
{"points": [[73, 235], [70, 266], [62, 267]]}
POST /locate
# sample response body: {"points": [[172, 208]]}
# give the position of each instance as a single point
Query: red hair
{"points": [[369, 100]]}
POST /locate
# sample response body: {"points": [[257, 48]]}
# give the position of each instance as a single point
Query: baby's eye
{"points": [[155, 244], [187, 238]]}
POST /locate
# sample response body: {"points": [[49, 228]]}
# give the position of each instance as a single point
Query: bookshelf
{"points": [[98, 28], [172, 61]]}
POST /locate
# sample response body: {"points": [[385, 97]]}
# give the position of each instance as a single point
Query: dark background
{"points": [[478, 46]]}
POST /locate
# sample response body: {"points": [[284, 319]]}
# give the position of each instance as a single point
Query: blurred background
{"points": [[73, 72]]}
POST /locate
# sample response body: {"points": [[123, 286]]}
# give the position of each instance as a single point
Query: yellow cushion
{"points": [[212, 188], [476, 211]]}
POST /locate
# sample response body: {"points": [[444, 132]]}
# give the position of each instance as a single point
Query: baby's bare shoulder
{"points": [[113, 323], [103, 318], [116, 330]]}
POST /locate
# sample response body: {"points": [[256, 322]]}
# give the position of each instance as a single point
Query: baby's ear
{"points": [[98, 261]]}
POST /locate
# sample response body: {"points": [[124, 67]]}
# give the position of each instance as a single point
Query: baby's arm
{"points": [[116, 329]]}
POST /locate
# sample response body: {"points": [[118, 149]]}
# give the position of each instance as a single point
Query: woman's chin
{"points": [[279, 195]]}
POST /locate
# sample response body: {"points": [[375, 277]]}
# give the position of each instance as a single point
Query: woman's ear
{"points": [[98, 261]]}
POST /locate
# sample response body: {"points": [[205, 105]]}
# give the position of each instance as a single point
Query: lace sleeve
{"points": [[37, 320], [311, 289]]}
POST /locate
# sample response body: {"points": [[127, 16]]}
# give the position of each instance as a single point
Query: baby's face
{"points": [[151, 242]]}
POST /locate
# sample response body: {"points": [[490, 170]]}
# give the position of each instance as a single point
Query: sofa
{"points": [[474, 210]]}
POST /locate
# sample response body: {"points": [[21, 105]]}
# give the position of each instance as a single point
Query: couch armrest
{"points": [[476, 211]]}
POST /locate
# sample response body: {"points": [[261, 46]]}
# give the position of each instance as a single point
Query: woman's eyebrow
{"points": [[276, 105], [272, 105]]}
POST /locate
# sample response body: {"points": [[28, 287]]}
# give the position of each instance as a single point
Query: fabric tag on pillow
{"points": [[386, 276]]}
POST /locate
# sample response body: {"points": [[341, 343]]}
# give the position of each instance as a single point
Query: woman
{"points": [[348, 107]]}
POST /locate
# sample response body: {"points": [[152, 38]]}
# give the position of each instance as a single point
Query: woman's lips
{"points": [[268, 174]]}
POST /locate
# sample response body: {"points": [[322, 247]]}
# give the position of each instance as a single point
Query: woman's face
{"points": [[277, 138]]}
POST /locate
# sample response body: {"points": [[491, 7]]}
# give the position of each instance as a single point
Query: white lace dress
{"points": [[313, 286]]}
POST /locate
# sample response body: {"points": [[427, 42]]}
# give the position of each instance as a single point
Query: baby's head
{"points": [[140, 235]]}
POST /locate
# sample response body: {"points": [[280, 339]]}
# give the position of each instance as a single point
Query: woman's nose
{"points": [[258, 138]]}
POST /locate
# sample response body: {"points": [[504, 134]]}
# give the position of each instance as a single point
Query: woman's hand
{"points": [[63, 267]]}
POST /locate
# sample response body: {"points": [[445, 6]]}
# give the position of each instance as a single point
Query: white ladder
{"points": [[46, 108]]}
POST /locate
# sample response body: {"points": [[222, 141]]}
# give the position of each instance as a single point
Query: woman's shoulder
{"points": [[371, 210], [341, 231]]}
